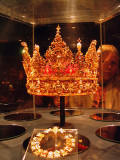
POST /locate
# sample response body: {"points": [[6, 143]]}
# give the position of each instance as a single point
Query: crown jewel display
{"points": [[61, 72]]}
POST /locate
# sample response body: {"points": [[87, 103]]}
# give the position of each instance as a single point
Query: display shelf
{"points": [[8, 132]]}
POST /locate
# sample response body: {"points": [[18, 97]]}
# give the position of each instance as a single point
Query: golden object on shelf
{"points": [[60, 72], [39, 138]]}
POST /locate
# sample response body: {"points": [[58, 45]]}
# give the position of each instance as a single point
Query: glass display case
{"points": [[35, 22]]}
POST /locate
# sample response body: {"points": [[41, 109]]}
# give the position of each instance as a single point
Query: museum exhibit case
{"points": [[59, 58]]}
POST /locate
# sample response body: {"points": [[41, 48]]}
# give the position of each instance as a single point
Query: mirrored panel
{"points": [[68, 112], [110, 117], [110, 133], [8, 132], [22, 117]]}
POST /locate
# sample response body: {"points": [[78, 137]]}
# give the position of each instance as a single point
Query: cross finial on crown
{"points": [[58, 27]]}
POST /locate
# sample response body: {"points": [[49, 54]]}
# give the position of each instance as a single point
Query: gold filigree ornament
{"points": [[59, 72], [36, 141]]}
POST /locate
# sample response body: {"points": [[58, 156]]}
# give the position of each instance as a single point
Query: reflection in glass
{"points": [[68, 112], [110, 133], [11, 131], [106, 116], [22, 116]]}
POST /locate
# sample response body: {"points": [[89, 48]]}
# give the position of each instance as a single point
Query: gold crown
{"points": [[61, 72]]}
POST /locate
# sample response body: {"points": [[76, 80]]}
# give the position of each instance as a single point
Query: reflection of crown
{"points": [[60, 72]]}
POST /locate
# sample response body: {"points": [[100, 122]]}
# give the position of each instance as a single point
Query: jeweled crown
{"points": [[60, 72]]}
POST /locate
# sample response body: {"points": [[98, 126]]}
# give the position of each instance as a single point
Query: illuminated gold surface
{"points": [[52, 153]]}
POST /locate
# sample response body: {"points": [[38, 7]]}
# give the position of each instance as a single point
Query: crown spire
{"points": [[79, 44], [58, 28]]}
